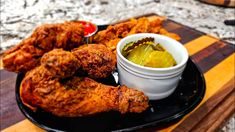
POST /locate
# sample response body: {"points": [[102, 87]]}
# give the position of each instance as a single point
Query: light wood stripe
{"points": [[214, 82], [199, 44], [219, 75], [23, 126]]}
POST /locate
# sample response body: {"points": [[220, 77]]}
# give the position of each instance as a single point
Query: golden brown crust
{"points": [[53, 86], [36, 78], [111, 36], [60, 63], [96, 60], [27, 54], [131, 100], [77, 96]]}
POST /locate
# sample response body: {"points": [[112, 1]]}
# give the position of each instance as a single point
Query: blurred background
{"points": [[20, 17]]}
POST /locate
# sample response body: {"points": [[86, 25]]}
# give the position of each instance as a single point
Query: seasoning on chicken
{"points": [[96, 60], [113, 34], [27, 54], [77, 96], [60, 63]]}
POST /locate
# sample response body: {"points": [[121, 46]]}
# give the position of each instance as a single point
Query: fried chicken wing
{"points": [[96, 60], [77, 96], [27, 54], [113, 34]]}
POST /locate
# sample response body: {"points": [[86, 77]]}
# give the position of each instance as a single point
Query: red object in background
{"points": [[90, 28]]}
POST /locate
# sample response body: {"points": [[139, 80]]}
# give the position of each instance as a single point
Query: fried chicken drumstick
{"points": [[27, 54], [94, 60], [64, 94]]}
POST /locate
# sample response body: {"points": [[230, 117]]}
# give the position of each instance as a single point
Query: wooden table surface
{"points": [[215, 58]]}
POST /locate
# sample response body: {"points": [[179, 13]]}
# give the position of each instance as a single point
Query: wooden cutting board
{"points": [[228, 3], [215, 58]]}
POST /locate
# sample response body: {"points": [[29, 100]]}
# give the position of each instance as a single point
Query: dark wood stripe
{"points": [[170, 25], [9, 111], [186, 34], [226, 2], [212, 55]]}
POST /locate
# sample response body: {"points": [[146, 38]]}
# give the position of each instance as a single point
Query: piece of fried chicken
{"points": [[113, 34], [93, 60], [60, 63], [96, 60], [66, 95], [26, 55]]}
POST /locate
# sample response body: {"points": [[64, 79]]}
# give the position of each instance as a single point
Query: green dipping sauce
{"points": [[145, 52]]}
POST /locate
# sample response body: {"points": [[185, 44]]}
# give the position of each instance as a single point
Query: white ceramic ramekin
{"points": [[156, 83]]}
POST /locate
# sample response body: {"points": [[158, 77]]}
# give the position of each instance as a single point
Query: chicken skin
{"points": [[72, 96], [60, 63], [26, 55], [93, 60], [114, 33], [96, 60]]}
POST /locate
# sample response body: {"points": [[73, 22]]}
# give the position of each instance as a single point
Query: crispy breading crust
{"points": [[77, 96], [114, 33], [96, 60], [60, 63], [27, 54]]}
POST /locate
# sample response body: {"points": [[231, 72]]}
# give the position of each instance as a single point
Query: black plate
{"points": [[186, 97]]}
